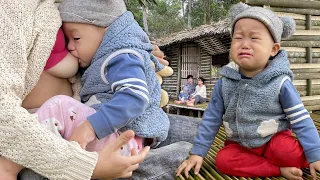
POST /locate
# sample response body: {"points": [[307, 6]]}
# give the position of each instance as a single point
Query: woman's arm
{"points": [[22, 139]]}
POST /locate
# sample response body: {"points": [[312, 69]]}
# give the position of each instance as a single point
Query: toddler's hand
{"points": [[83, 134], [193, 160], [315, 166]]}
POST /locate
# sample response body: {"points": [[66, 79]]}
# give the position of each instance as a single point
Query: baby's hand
{"points": [[315, 166], [83, 134], [193, 160]]}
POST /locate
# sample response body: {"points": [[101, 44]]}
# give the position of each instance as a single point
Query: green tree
{"points": [[165, 18], [218, 10], [142, 6]]}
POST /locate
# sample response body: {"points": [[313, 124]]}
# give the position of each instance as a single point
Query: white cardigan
{"points": [[202, 91], [28, 31]]}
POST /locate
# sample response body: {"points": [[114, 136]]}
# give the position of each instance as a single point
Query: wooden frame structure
{"points": [[194, 52]]}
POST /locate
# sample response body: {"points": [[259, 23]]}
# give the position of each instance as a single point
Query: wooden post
{"points": [[190, 112], [179, 70], [309, 54], [199, 114]]}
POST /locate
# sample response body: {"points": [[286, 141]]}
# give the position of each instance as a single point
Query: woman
{"points": [[200, 95]]}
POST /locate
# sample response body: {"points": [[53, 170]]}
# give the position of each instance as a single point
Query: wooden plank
{"points": [[185, 107], [284, 3], [304, 83], [307, 33], [179, 72], [305, 66], [296, 10]]}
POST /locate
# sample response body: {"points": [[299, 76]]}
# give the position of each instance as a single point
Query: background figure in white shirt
{"points": [[200, 95]]}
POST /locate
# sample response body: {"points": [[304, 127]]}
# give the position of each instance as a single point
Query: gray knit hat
{"points": [[278, 27], [97, 12]]}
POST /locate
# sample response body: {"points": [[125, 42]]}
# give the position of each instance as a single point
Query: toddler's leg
{"points": [[237, 160], [8, 169], [286, 152], [62, 114]]}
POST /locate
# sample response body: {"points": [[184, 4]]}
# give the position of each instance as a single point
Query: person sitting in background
{"points": [[190, 85], [200, 95], [183, 96]]}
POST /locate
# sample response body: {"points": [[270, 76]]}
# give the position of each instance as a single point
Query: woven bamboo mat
{"points": [[209, 170]]}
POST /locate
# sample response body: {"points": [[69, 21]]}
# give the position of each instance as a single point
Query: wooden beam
{"points": [[303, 4], [179, 70], [305, 66], [300, 44], [296, 10]]}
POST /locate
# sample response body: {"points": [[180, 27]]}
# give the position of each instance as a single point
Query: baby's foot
{"points": [[8, 169], [291, 173]]}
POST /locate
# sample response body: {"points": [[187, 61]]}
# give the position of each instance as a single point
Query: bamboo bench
{"points": [[209, 170], [199, 108]]}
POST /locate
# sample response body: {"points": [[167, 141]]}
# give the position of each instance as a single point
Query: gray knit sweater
{"points": [[253, 113]]}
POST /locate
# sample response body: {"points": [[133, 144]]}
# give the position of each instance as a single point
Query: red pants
{"points": [[283, 150]]}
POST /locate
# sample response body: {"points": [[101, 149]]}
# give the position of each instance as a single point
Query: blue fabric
{"points": [[210, 124], [121, 107], [183, 95], [252, 106], [190, 88], [301, 122]]}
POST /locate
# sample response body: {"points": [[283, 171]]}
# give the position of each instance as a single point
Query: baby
{"points": [[183, 96]]}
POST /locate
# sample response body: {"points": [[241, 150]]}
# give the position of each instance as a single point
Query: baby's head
{"points": [[85, 22], [256, 35], [185, 90]]}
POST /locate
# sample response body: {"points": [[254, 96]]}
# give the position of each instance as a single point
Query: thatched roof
{"points": [[218, 29]]}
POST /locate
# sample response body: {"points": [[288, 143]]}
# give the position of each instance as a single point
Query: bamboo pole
{"points": [[309, 55], [294, 60], [315, 82], [305, 70], [307, 33], [304, 38], [301, 44], [301, 76], [305, 66], [179, 69], [294, 16], [284, 3], [297, 11]]}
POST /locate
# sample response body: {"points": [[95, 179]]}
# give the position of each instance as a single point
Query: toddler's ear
{"points": [[289, 27], [237, 9]]}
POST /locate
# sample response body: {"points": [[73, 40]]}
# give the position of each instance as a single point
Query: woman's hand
{"points": [[112, 165], [159, 55]]}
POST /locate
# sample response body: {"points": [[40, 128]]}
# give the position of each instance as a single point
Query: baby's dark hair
{"points": [[189, 76], [202, 79]]}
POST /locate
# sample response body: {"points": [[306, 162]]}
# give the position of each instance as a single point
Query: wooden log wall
{"points": [[303, 47], [171, 84], [205, 70]]}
